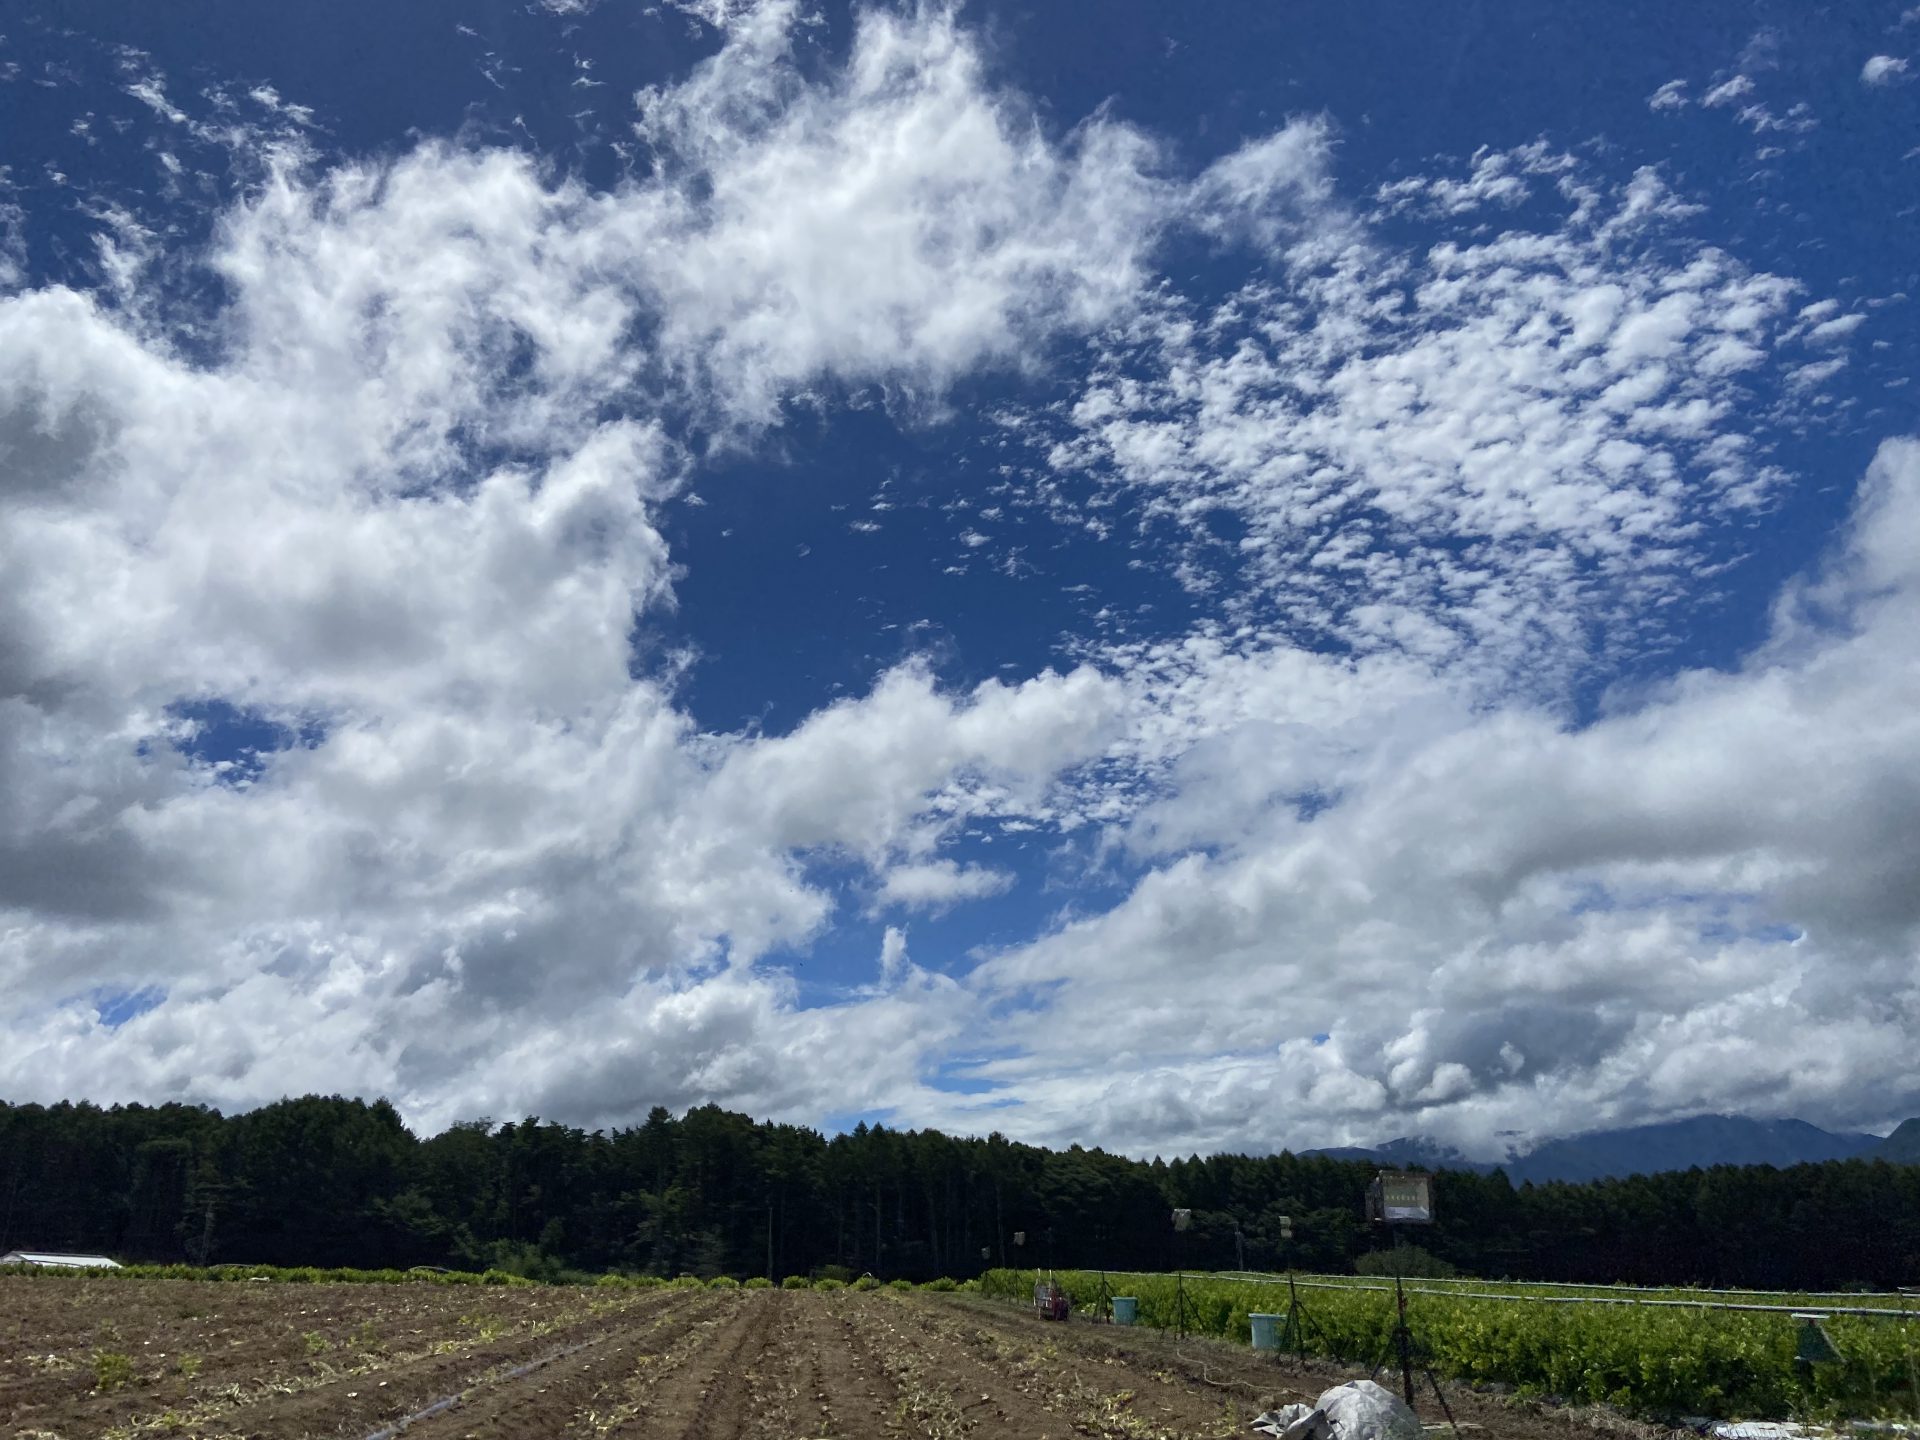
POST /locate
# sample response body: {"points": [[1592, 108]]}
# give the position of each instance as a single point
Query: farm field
{"points": [[1662, 1359], [1621, 1294], [274, 1362]]}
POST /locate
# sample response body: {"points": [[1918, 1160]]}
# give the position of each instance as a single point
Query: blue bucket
{"points": [[1266, 1331], [1126, 1309]]}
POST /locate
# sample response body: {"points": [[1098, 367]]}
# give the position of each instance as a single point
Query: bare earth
{"points": [[277, 1362]]}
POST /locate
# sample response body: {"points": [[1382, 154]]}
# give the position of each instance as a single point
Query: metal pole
{"points": [[1906, 1337], [1179, 1290], [1403, 1338], [1296, 1320]]}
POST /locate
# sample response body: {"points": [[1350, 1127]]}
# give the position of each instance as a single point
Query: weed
{"points": [[112, 1369], [189, 1365], [485, 1327]]}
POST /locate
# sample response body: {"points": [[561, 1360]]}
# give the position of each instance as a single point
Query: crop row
{"points": [[1660, 1361], [314, 1275], [1641, 1294]]}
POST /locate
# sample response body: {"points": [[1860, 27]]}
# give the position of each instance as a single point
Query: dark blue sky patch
{"points": [[237, 742], [116, 1007]]}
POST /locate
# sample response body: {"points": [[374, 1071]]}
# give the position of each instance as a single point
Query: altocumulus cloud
{"points": [[398, 500]]}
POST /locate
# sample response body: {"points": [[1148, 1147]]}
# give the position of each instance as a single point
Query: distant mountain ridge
{"points": [[1902, 1147], [1703, 1140]]}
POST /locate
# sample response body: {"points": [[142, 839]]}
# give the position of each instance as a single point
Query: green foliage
{"points": [[330, 1189], [317, 1344], [723, 1282], [276, 1274], [188, 1365], [112, 1370], [1656, 1360], [900, 1285], [866, 1282], [756, 1282], [827, 1282], [943, 1284], [1405, 1260], [796, 1282]]}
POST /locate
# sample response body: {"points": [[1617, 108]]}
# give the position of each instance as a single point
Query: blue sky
{"points": [[1270, 576]]}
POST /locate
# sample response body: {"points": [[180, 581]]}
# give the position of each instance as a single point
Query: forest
{"points": [[333, 1181]]}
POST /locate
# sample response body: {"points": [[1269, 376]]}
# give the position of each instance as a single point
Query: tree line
{"points": [[332, 1181]]}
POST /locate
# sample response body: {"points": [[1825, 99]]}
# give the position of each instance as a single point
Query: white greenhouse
{"points": [[58, 1262]]}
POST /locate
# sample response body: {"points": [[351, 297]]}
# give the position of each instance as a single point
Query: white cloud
{"points": [[1706, 900], [1506, 453], [399, 497], [406, 507], [926, 224], [893, 954], [937, 884], [1499, 177], [1728, 91], [1670, 96], [1883, 70]]}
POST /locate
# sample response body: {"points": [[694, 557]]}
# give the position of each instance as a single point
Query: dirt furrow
{"points": [[664, 1395], [546, 1401], [359, 1401], [862, 1389], [276, 1363], [183, 1345], [1017, 1373], [779, 1385], [1219, 1367]]}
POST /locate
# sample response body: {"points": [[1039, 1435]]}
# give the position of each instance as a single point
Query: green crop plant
{"points": [[485, 1327], [1652, 1359], [112, 1370]]}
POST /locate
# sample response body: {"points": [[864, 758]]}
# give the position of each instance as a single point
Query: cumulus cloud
{"points": [[1883, 69], [1504, 924], [926, 224], [395, 522], [937, 884]]}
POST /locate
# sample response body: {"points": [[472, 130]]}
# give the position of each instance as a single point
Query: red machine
{"points": [[1050, 1302]]}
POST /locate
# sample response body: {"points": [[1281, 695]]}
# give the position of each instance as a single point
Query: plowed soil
{"points": [[282, 1362]]}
